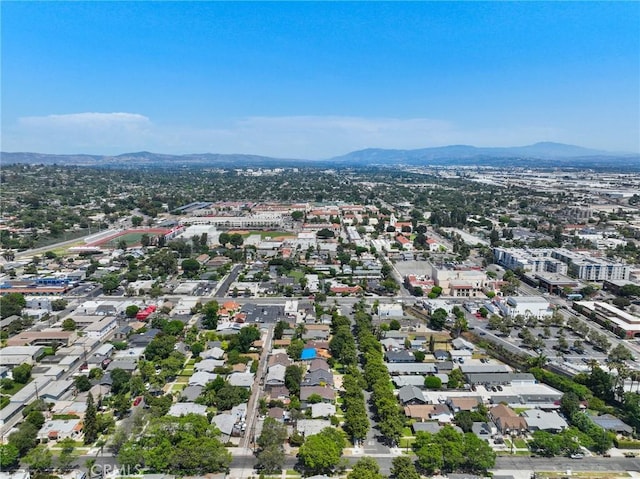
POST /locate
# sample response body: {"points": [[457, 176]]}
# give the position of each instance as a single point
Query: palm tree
{"points": [[538, 361]]}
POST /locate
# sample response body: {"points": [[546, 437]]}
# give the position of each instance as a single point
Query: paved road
{"points": [[564, 463], [223, 288], [256, 392], [243, 463]]}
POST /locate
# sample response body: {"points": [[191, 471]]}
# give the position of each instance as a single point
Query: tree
{"points": [[236, 240], [224, 238], [119, 381], [69, 325], [36, 418], [343, 346], [24, 438], [110, 283], [230, 396], [402, 467], [159, 348], [22, 373], [59, 304], [430, 458], [278, 331], [295, 349], [293, 377], [394, 325], [210, 312], [365, 468], [619, 354], [438, 318], [321, 452], [456, 379], [9, 455], [325, 233], [131, 311], [190, 267], [39, 458], [271, 455], [11, 304], [90, 421], [67, 456], [569, 404], [271, 459], [432, 382], [82, 383]]}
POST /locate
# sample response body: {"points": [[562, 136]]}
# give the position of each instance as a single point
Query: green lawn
{"points": [[14, 389], [406, 442], [296, 274], [520, 443], [129, 238]]}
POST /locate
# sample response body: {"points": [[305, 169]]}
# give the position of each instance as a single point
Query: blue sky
{"points": [[314, 80]]}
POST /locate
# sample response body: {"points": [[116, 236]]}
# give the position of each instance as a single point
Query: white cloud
{"points": [[88, 132], [310, 137]]}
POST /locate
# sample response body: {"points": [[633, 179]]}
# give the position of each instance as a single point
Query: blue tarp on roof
{"points": [[308, 353]]}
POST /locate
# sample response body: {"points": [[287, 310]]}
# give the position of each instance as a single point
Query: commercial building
{"points": [[527, 306], [620, 322]]}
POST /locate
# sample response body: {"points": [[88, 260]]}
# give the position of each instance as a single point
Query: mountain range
{"points": [[544, 154]]}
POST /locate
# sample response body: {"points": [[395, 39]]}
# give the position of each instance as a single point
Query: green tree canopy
{"points": [[69, 325], [321, 452], [12, 304], [365, 468], [22, 373]]}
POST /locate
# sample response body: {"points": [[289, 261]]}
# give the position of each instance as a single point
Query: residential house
{"points": [[201, 378], [399, 369], [538, 420], [280, 358], [277, 413], [319, 377], [411, 395], [190, 393], [415, 380], [279, 393], [441, 355], [244, 380], [469, 403], [318, 364], [484, 430], [183, 408], [208, 365], [322, 410], [57, 429], [326, 393], [275, 375], [441, 413], [612, 423], [506, 420], [213, 353], [399, 356]]}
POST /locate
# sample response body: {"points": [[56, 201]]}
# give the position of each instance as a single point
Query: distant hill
{"points": [[544, 154], [456, 153], [151, 160]]}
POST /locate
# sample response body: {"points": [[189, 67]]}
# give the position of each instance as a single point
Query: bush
{"points": [[432, 382], [296, 439], [627, 444]]}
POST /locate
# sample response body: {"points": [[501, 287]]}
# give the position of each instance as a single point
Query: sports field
{"points": [[131, 237]]}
